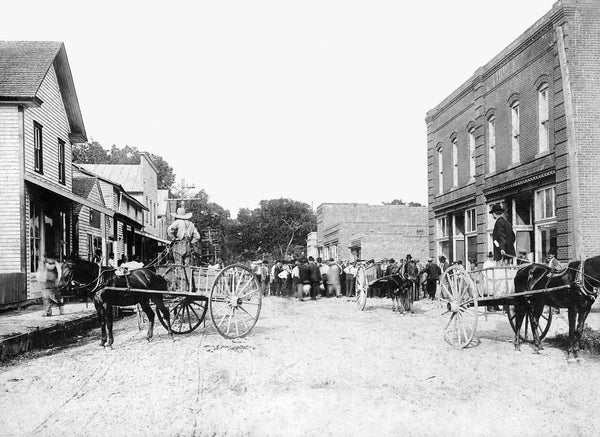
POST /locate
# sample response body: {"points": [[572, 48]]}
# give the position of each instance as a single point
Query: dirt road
{"points": [[308, 368]]}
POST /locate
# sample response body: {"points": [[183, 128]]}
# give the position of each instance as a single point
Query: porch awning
{"points": [[153, 237], [68, 194]]}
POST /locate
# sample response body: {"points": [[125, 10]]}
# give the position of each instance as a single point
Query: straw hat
{"points": [[181, 214]]}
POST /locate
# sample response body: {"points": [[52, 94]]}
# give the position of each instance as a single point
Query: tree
{"points": [[90, 153], [276, 229], [401, 202], [94, 153]]}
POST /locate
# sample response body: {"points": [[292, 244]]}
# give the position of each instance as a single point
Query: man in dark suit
{"points": [[503, 237], [314, 276]]}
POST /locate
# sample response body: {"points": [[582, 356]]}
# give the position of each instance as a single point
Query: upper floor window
{"points": [[492, 144], [61, 161], [454, 162], [470, 220], [516, 132], [544, 204], [543, 118], [440, 170], [472, 152], [38, 152]]}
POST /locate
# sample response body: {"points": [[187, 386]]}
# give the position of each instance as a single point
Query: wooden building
{"points": [[40, 119]]}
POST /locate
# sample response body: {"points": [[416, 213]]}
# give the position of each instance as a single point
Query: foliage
{"points": [[90, 153], [94, 153], [401, 202], [277, 229]]}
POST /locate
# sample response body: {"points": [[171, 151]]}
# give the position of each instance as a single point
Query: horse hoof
{"points": [[571, 360], [517, 348], [580, 360]]}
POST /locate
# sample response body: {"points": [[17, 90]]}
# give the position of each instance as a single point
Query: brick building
{"points": [[361, 231], [523, 131]]}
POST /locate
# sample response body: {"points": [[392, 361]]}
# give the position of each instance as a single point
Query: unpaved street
{"points": [[308, 368]]}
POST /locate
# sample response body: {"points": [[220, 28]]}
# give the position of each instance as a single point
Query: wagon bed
{"points": [[467, 295]]}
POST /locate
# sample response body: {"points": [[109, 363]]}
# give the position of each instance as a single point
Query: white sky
{"points": [[318, 101]]}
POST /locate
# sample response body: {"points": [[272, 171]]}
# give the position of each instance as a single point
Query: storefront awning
{"points": [[153, 237], [67, 194]]}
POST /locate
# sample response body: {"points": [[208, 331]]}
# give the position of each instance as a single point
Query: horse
{"points": [[85, 272], [576, 293]]}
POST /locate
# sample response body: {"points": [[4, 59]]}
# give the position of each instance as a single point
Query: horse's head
{"points": [[67, 274]]}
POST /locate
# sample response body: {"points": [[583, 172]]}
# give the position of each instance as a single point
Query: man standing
{"points": [[314, 277], [183, 234], [324, 269], [503, 237], [433, 275], [350, 271], [334, 283]]}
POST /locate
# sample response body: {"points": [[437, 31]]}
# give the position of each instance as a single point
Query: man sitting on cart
{"points": [[184, 235]]}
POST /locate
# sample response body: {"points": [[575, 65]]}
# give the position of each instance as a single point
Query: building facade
{"points": [[40, 119], [355, 231], [140, 181], [523, 132]]}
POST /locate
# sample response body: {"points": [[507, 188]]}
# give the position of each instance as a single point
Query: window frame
{"points": [[61, 162], [440, 156], [38, 147], [454, 162], [491, 140], [543, 118], [515, 117], [472, 163]]}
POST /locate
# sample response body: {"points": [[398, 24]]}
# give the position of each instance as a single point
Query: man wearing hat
{"points": [[503, 237], [433, 272], [183, 234]]}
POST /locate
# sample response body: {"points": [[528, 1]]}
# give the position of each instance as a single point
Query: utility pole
{"points": [[182, 191]]}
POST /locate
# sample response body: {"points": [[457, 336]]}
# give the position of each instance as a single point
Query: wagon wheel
{"points": [[526, 328], [186, 313], [460, 296], [361, 288], [235, 301]]}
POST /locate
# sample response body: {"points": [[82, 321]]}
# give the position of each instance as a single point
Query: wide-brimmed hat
{"points": [[181, 214], [497, 208]]}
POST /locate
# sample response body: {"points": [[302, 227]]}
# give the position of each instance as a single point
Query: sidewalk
{"points": [[26, 329]]}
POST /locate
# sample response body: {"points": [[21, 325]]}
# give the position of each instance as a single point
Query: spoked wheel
{"points": [[361, 288], [459, 295], [235, 301], [526, 332], [186, 313]]}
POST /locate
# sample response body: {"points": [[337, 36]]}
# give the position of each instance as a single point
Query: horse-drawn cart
{"points": [[467, 295], [371, 275], [230, 295]]}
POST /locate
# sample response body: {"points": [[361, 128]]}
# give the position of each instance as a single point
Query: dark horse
{"points": [[576, 293], [87, 273]]}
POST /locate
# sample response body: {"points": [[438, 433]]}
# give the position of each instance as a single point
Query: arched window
{"points": [[515, 132], [544, 125], [440, 158], [454, 161], [491, 140], [471, 152]]}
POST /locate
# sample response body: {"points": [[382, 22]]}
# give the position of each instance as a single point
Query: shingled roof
{"points": [[23, 67]]}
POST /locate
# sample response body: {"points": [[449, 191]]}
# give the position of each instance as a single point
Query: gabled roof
{"points": [[83, 185], [128, 175], [23, 67]]}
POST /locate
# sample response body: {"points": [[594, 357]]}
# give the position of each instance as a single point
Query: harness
{"points": [[580, 278]]}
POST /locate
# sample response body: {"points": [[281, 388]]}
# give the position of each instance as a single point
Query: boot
{"points": [[46, 308]]}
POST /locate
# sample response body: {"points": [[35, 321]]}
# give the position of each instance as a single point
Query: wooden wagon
{"points": [[467, 295], [371, 275], [230, 295]]}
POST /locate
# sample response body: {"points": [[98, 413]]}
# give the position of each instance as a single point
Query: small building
{"points": [[361, 231], [118, 232], [140, 182], [522, 132]]}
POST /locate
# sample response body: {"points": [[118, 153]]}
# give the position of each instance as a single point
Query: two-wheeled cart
{"points": [[466, 295], [371, 275], [230, 295]]}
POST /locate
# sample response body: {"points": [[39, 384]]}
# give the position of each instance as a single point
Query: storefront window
{"points": [[35, 237], [545, 223]]}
